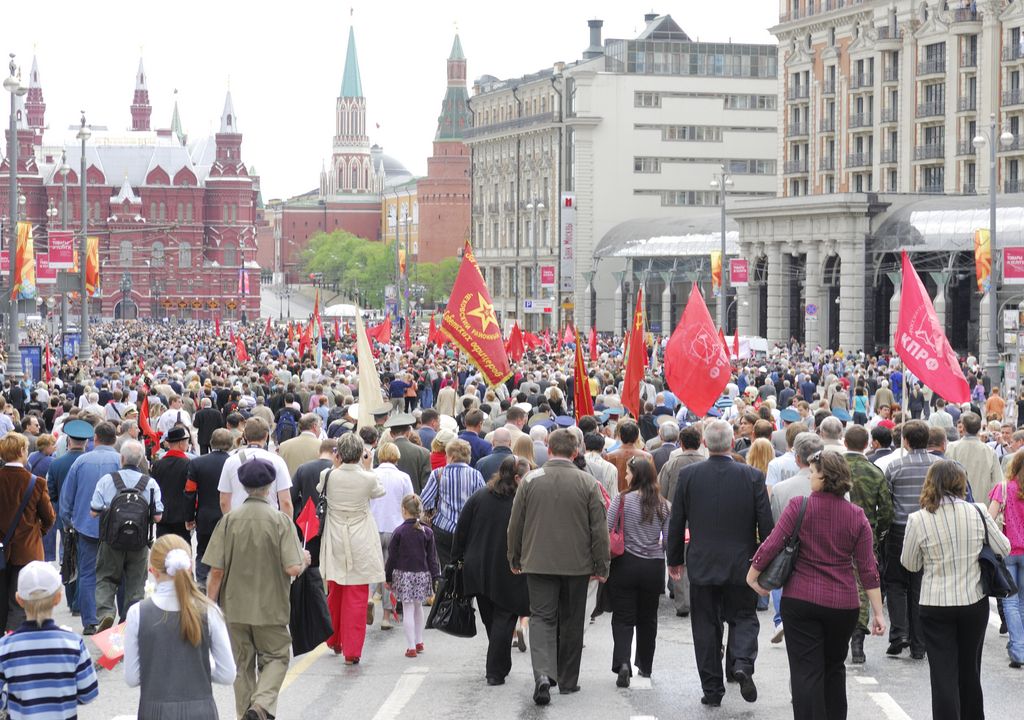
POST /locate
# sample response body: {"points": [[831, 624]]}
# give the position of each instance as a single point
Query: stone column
{"points": [[896, 279], [618, 276], [939, 301], [778, 294], [815, 331], [666, 304], [851, 295]]}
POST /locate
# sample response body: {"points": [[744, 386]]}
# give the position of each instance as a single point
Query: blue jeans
{"points": [[50, 544], [1013, 609], [87, 549], [776, 601]]}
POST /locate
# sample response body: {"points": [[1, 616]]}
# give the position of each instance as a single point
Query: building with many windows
{"points": [[631, 135]]}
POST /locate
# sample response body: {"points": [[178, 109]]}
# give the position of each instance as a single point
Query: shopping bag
{"points": [[452, 612], [310, 620], [69, 557], [110, 643]]}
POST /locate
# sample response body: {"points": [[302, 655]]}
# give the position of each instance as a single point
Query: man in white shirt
{"points": [[785, 466], [174, 415], [232, 492]]}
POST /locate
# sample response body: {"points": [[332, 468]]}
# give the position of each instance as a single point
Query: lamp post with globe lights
{"points": [[13, 85], [1004, 139], [85, 346], [722, 183]]}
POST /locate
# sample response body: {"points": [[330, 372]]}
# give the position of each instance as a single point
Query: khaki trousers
{"points": [[261, 656]]}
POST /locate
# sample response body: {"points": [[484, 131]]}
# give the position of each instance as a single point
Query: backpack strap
{"points": [[118, 482], [140, 486]]}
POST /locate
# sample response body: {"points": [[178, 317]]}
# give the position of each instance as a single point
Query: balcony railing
{"points": [[862, 80], [1013, 97], [861, 159], [933, 188], [827, 164], [828, 87], [969, 59], [796, 130], [860, 120], [931, 151], [968, 102], [889, 114], [1013, 52], [798, 92], [1015, 145], [492, 207], [889, 33], [892, 74], [888, 155], [965, 15], [793, 167], [969, 188], [827, 125], [1013, 186], [931, 66], [965, 148], [929, 109]]}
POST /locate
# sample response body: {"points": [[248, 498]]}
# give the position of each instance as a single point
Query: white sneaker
{"points": [[778, 635]]}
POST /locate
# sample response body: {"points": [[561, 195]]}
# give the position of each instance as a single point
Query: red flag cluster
{"points": [[381, 333]]}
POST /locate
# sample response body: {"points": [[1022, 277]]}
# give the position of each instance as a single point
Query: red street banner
{"points": [[696, 364], [62, 249], [636, 359], [921, 341], [46, 273], [472, 325]]}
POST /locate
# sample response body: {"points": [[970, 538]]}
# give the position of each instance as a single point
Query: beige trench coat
{"points": [[350, 552]]}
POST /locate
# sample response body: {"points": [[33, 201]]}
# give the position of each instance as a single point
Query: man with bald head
{"points": [[501, 440]]}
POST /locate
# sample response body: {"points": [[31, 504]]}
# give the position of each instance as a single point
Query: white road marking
{"points": [[405, 689], [866, 680], [889, 707], [640, 683]]}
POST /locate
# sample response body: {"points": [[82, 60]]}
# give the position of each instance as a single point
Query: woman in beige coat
{"points": [[350, 554]]}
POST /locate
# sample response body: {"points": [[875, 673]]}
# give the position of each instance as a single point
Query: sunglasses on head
{"points": [[815, 457]]}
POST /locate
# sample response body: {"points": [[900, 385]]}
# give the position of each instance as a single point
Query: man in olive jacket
{"points": [[558, 536]]}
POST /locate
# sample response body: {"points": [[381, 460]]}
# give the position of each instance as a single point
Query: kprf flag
{"points": [[472, 325], [581, 385], [24, 287], [983, 259], [636, 359], [696, 364], [921, 341]]}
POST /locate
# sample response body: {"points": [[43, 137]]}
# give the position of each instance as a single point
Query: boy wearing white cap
{"points": [[32, 688]]}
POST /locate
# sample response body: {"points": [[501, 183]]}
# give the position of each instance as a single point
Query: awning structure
{"points": [[669, 237], [947, 224]]}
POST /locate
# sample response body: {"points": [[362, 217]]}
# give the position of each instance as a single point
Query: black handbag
{"points": [[996, 580], [781, 567], [309, 619], [69, 557], [452, 612]]}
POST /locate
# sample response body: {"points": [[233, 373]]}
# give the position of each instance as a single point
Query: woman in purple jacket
{"points": [[820, 603], [411, 570]]}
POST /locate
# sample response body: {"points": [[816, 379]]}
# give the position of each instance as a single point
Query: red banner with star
{"points": [[470, 322]]}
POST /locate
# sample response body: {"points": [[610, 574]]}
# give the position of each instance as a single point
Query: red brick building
{"points": [[178, 217], [444, 194]]}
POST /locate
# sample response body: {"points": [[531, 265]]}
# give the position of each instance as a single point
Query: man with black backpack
{"points": [[128, 503]]}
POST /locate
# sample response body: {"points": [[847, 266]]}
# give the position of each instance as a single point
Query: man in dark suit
{"points": [[413, 459], [202, 499], [502, 442], [206, 421], [726, 506], [669, 434]]}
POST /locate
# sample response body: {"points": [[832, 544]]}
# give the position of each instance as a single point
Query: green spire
{"points": [[176, 123], [456, 53], [351, 85]]}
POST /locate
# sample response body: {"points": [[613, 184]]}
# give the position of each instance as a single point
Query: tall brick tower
{"points": [[444, 195], [141, 109], [35, 107]]}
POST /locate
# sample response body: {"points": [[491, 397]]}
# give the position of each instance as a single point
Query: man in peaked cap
{"points": [[413, 459]]}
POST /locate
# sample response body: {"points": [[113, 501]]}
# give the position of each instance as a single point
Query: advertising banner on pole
{"points": [[62, 249], [1013, 265], [46, 273], [567, 257], [547, 276], [739, 272]]}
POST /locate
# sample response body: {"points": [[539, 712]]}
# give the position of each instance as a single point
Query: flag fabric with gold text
{"points": [[581, 384], [636, 359], [470, 322]]}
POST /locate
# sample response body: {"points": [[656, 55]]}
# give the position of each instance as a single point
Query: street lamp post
{"points": [[992, 350], [536, 207], [722, 183], [85, 346], [63, 170], [126, 289], [12, 84]]}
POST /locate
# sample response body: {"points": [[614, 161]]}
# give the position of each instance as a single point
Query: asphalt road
{"points": [[447, 681]]}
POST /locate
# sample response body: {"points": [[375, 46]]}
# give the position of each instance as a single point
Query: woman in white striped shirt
{"points": [[943, 539]]}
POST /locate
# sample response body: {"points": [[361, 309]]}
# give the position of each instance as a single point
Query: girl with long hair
{"points": [[761, 453], [637, 578], [175, 642]]}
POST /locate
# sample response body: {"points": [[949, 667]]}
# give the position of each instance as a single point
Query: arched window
{"points": [[184, 255], [152, 211], [230, 256], [163, 211], [126, 252], [355, 177], [181, 212], [188, 212], [158, 254], [96, 211]]}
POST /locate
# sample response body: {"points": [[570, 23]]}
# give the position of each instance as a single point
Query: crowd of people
{"points": [[164, 456]]}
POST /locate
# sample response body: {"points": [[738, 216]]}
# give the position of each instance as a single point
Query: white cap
{"points": [[38, 579]]}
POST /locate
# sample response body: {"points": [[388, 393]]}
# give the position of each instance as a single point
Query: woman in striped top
{"points": [[637, 578], [943, 539]]}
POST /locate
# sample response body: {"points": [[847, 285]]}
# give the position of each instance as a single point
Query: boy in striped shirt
{"points": [[45, 671]]}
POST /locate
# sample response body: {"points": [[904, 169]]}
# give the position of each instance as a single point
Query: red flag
{"points": [[515, 347], [721, 336], [267, 331], [636, 359], [49, 362], [337, 330], [736, 343], [407, 345], [531, 341], [291, 333], [151, 435], [593, 344], [306, 339], [921, 342], [471, 323], [558, 347], [216, 325], [545, 340], [308, 522], [381, 333], [570, 334], [696, 366], [432, 331], [581, 385], [231, 335], [241, 353]]}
